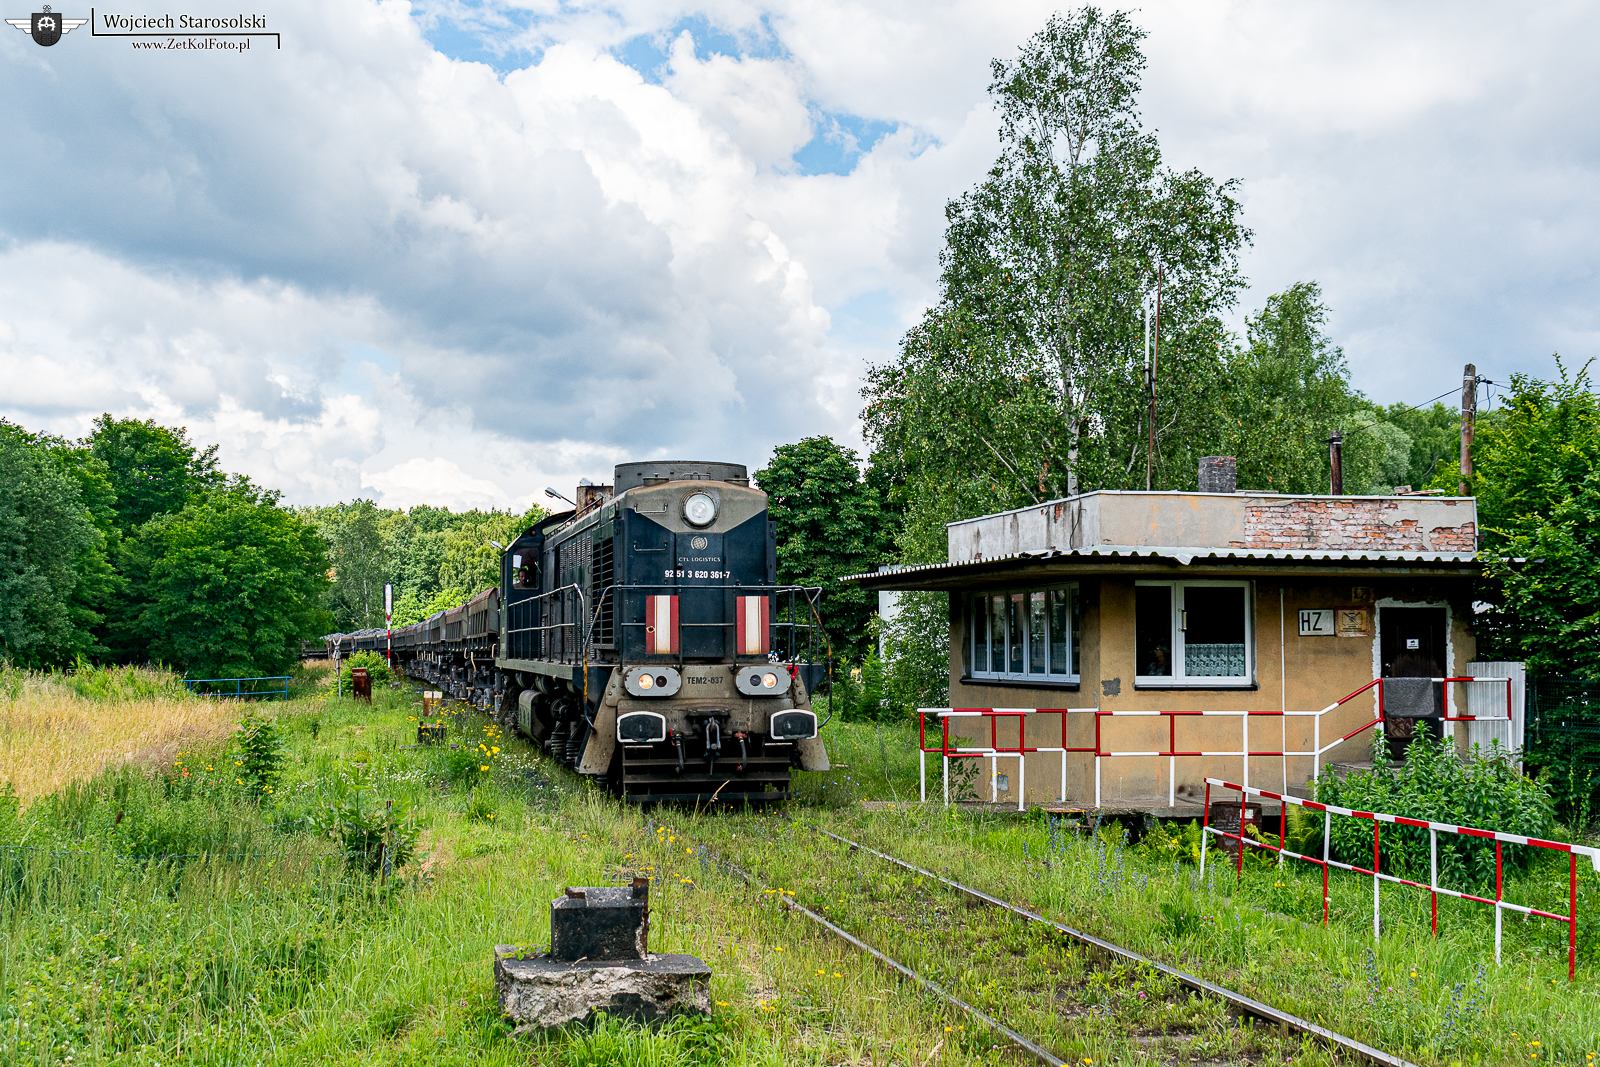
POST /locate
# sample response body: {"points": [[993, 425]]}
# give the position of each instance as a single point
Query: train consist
{"points": [[642, 639]]}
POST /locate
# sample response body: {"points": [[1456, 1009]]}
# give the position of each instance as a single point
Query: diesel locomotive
{"points": [[642, 639]]}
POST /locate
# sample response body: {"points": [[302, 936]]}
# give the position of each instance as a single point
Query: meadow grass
{"points": [[59, 728], [151, 916]]}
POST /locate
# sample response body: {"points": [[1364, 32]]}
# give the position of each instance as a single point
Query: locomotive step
{"points": [[651, 779], [771, 761], [724, 797]]}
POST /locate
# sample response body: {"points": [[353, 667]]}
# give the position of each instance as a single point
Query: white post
{"points": [[1327, 844], [994, 779], [1499, 914], [1375, 884], [1063, 796], [1022, 780], [922, 774], [1097, 781], [1316, 747], [945, 759], [1433, 860], [1172, 781], [1246, 759]]}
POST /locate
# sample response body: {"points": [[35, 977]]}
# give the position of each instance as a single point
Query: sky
{"points": [[453, 253]]}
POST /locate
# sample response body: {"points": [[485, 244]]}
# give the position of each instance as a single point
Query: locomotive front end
{"points": [[659, 652]]}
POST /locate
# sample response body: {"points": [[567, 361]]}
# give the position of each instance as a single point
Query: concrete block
{"points": [[539, 992], [601, 923]]}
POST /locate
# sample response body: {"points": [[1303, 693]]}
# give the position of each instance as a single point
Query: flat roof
{"points": [[1165, 559]]}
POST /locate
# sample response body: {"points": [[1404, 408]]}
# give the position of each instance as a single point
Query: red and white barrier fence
{"points": [[1326, 862], [995, 750]]}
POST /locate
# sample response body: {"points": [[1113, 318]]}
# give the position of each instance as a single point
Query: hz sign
{"points": [[1316, 622]]}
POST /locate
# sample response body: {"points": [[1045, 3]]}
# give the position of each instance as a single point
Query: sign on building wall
{"points": [[1354, 622], [1316, 622]]}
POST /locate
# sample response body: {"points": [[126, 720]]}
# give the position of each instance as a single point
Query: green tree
{"points": [[412, 606], [829, 524], [153, 470], [1537, 482], [1435, 434], [1289, 390], [362, 559], [470, 559], [916, 648], [231, 584], [49, 546], [1026, 381]]}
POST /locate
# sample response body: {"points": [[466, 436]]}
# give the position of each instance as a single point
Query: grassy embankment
{"points": [[178, 914], [56, 728]]}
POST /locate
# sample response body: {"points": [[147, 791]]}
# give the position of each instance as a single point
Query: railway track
{"points": [[1236, 1004]]}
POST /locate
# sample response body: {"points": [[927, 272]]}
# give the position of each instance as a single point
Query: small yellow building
{"points": [[1151, 639]]}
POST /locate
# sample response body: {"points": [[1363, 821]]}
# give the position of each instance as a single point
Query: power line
{"points": [[1412, 407]]}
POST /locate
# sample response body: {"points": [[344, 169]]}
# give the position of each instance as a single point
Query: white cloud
{"points": [[436, 481], [363, 266]]}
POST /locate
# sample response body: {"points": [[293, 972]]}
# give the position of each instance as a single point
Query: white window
{"points": [[1193, 633], [1024, 635]]}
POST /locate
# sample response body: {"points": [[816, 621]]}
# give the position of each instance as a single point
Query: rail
{"points": [[1501, 905], [239, 692], [1240, 1003], [995, 750]]}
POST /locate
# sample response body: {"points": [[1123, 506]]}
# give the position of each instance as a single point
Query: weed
{"points": [[261, 753]]}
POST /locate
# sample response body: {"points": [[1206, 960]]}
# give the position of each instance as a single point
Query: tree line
{"points": [[130, 545]]}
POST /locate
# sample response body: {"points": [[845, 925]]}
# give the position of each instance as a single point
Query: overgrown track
{"points": [[1237, 1001], [1013, 977]]}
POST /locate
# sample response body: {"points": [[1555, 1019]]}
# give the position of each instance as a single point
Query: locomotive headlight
{"points": [[700, 509], [645, 681]]}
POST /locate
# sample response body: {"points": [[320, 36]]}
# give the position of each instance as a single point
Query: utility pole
{"points": [[1152, 355], [1469, 412], [1335, 463]]}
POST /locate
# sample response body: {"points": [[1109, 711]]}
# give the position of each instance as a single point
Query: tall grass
{"points": [[58, 728]]}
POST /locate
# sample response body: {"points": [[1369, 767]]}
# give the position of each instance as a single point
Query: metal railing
{"points": [[239, 692], [995, 750], [1327, 862]]}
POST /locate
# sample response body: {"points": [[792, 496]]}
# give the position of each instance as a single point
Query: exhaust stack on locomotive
{"points": [[643, 640]]}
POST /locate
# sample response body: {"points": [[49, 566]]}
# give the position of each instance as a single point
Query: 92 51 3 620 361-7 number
{"points": [[717, 575]]}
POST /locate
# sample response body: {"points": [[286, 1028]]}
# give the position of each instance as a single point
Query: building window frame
{"points": [[1178, 652], [1046, 619]]}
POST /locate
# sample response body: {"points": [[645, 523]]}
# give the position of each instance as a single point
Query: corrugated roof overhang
{"points": [[1139, 559]]}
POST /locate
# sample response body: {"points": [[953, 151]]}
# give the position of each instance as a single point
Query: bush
{"points": [[1486, 792], [859, 692], [378, 836], [121, 684], [377, 669]]}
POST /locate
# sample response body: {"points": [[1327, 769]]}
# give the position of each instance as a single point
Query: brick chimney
{"points": [[1218, 474]]}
